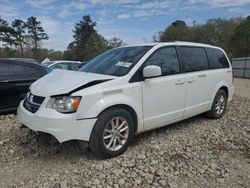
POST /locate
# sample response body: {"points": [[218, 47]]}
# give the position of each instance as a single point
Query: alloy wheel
{"points": [[220, 104], [116, 133]]}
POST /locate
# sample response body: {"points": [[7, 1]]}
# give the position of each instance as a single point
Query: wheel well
{"points": [[224, 88], [129, 109]]}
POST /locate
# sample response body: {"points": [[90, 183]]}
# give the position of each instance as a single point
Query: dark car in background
{"points": [[15, 78]]}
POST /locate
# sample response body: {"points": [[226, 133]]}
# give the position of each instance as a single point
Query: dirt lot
{"points": [[242, 87], [197, 152]]}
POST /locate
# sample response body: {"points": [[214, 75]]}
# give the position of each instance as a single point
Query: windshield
{"points": [[48, 63], [116, 62]]}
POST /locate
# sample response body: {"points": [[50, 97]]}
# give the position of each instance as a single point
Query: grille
{"points": [[33, 102]]}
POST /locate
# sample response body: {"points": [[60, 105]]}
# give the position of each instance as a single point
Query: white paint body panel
{"points": [[63, 127], [163, 100], [156, 101], [63, 81]]}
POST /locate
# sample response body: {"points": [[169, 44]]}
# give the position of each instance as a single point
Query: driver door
{"points": [[163, 97]]}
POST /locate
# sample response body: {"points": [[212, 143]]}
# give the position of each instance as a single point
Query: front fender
{"points": [[94, 109]]}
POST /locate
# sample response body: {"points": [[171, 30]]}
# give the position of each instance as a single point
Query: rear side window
{"points": [[167, 59], [24, 72], [194, 59], [4, 73], [64, 66], [74, 66], [217, 58]]}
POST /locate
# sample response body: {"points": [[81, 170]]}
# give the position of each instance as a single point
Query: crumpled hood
{"points": [[62, 81]]}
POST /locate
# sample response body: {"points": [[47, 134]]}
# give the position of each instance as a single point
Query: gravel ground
{"points": [[242, 87], [197, 152]]}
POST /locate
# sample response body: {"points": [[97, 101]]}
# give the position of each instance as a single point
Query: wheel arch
{"points": [[221, 85], [127, 108], [224, 88]]}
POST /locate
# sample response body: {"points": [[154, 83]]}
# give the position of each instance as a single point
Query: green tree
{"points": [[178, 30], [219, 32], [5, 33], [8, 52], [18, 33], [115, 42], [83, 30], [36, 32], [87, 42], [241, 38]]}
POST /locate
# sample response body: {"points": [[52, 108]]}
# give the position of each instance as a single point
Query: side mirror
{"points": [[151, 71]]}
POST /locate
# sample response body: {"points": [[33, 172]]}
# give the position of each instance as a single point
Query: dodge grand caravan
{"points": [[129, 90]]}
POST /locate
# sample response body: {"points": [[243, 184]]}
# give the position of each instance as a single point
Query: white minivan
{"points": [[129, 90]]}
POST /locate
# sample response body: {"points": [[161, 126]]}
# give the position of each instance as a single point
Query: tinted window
{"points": [[116, 62], [167, 59], [24, 72], [217, 58], [194, 59], [3, 71], [64, 66], [75, 66]]}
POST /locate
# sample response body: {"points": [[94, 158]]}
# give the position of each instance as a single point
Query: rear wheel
{"points": [[112, 133], [219, 105]]}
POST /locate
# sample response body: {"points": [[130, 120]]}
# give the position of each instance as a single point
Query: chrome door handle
{"points": [[191, 80], [179, 82]]}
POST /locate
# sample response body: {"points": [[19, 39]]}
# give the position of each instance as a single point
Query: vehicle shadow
{"points": [[8, 113], [48, 147], [184, 124]]}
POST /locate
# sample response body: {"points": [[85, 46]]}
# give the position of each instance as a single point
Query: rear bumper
{"points": [[63, 127]]}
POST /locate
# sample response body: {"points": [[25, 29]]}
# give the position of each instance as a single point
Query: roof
{"points": [[59, 61], [184, 43], [21, 61]]}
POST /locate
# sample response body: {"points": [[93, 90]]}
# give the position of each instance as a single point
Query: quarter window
{"points": [[167, 59], [194, 59], [217, 58]]}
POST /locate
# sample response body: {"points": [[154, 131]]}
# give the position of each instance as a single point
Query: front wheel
{"points": [[219, 105], [112, 133]]}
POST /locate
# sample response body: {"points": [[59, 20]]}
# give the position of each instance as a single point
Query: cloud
{"points": [[60, 34], [40, 3], [68, 9], [228, 3], [62, 8], [119, 2], [59, 16], [124, 16], [8, 9], [220, 3]]}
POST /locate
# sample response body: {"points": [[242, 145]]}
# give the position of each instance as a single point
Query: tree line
{"points": [[88, 43], [22, 35], [23, 38], [233, 35]]}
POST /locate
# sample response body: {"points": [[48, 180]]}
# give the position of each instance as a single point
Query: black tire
{"points": [[97, 143], [213, 113]]}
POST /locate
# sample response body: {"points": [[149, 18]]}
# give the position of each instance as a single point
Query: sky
{"points": [[134, 21]]}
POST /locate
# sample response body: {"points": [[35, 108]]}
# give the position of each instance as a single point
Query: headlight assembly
{"points": [[64, 104]]}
